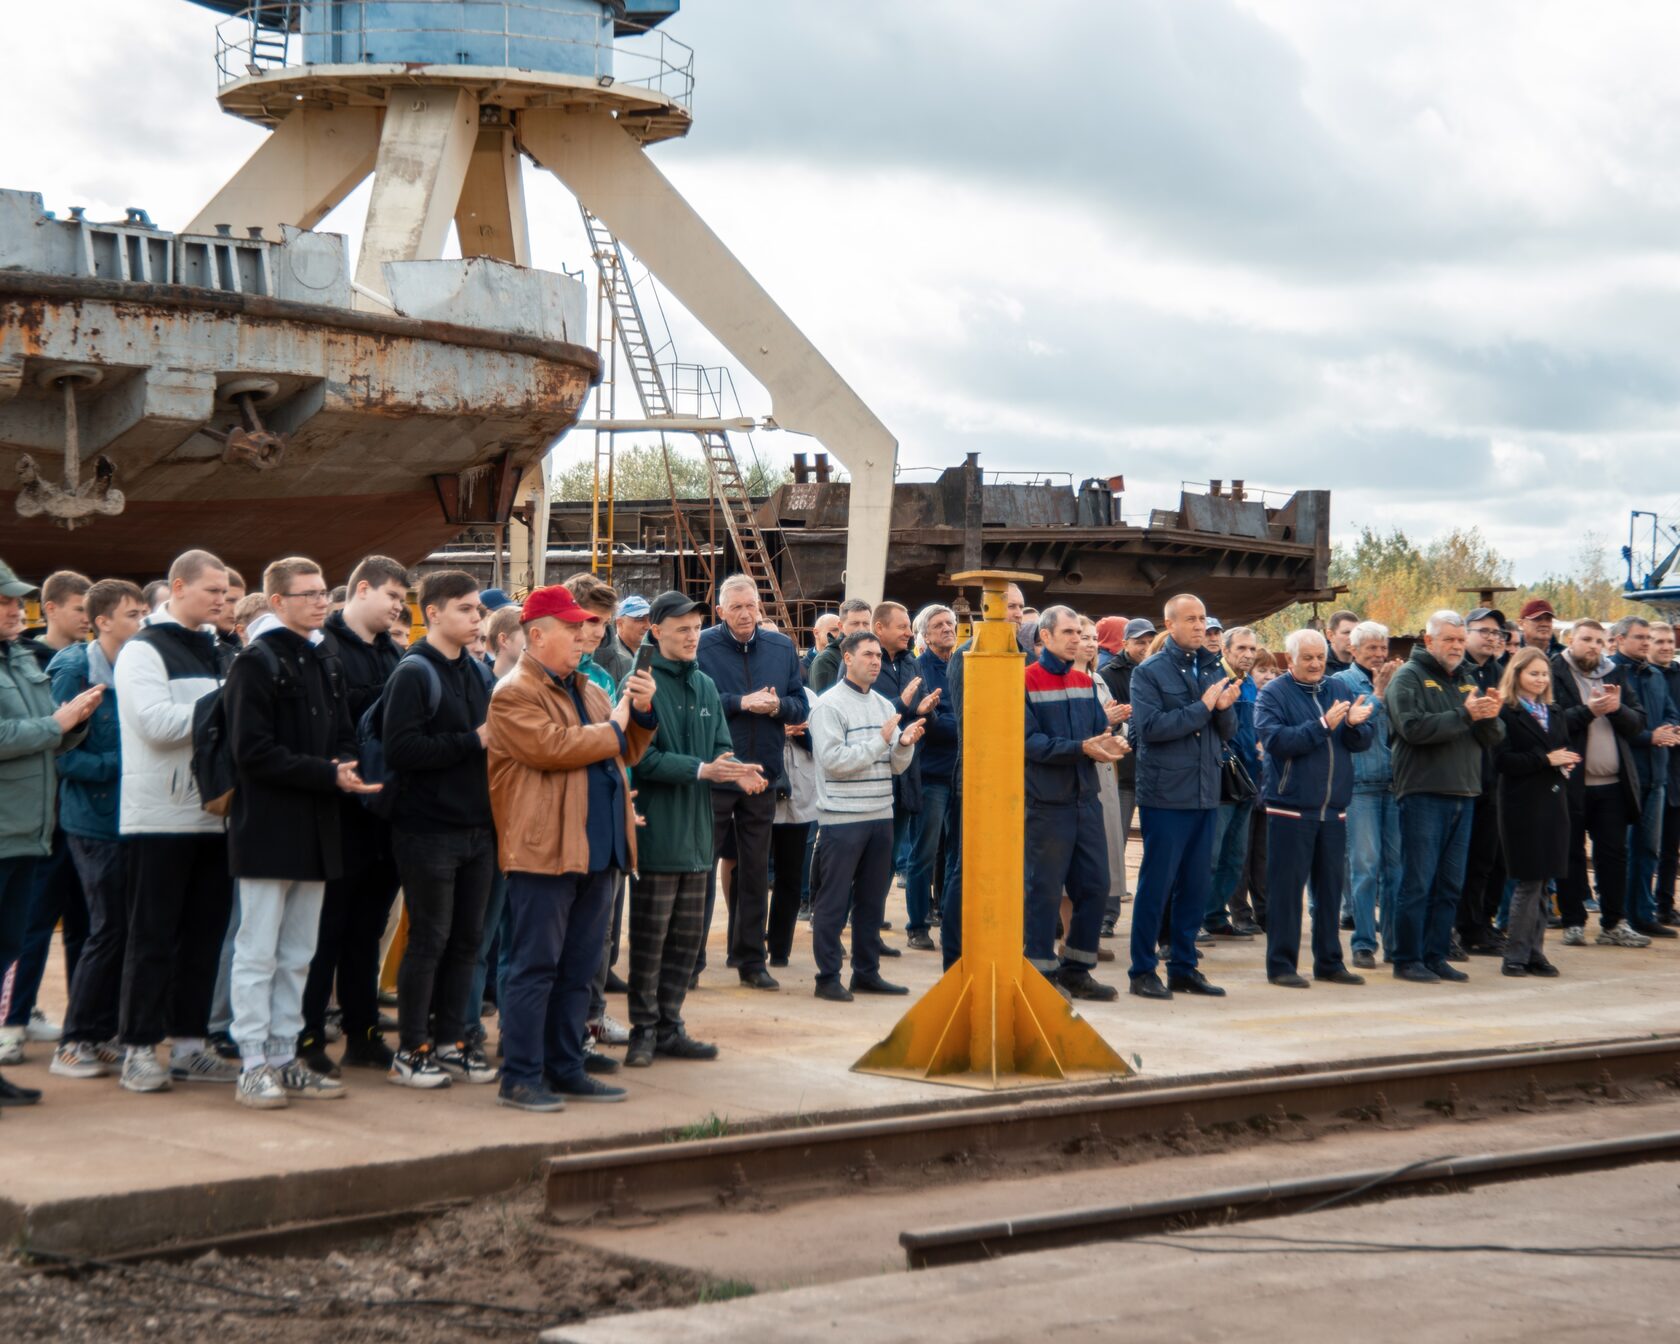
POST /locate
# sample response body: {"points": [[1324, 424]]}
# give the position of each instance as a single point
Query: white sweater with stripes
{"points": [[854, 766]]}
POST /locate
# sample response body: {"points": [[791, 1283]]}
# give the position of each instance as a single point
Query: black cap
{"points": [[1482, 613], [667, 605]]}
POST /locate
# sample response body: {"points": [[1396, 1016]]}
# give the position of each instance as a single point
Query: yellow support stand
{"points": [[993, 1021]]}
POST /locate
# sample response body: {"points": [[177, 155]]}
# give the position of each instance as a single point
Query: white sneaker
{"points": [[260, 1089], [466, 1062], [1574, 936], [142, 1071], [1620, 935], [204, 1066], [608, 1030], [302, 1082], [11, 1044], [78, 1059], [41, 1027], [416, 1068]]}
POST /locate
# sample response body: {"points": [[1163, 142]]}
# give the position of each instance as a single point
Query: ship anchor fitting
{"points": [[76, 500], [252, 444]]}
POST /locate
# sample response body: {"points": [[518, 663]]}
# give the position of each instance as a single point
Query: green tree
{"points": [[639, 473]]}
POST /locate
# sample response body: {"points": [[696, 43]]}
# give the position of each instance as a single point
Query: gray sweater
{"points": [[854, 766]]}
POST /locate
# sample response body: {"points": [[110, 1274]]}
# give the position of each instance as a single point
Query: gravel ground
{"points": [[492, 1271]]}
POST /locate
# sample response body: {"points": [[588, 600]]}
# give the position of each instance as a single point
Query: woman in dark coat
{"points": [[1532, 761]]}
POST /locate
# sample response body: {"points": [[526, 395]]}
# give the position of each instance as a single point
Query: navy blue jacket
{"points": [[1179, 742], [1245, 742], [90, 773], [1062, 711], [1646, 682], [897, 672], [770, 659], [1670, 674], [1309, 767], [938, 758]]}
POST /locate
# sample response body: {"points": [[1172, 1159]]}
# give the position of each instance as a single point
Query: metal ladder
{"points": [[728, 486], [271, 30]]}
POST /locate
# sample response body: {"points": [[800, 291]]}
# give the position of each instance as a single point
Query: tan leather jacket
{"points": [[539, 753]]}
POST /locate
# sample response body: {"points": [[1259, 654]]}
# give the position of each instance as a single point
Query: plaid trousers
{"points": [[667, 926]]}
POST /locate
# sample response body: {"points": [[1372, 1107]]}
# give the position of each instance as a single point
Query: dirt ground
{"points": [[491, 1271]]}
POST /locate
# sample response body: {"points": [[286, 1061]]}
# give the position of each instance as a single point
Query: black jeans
{"points": [[446, 876], [1248, 901], [56, 897], [747, 817], [96, 986], [1605, 818], [179, 897], [354, 911], [1484, 875], [17, 877], [1668, 857], [787, 857]]}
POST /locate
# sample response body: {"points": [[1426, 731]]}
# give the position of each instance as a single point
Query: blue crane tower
{"points": [[1653, 560]]}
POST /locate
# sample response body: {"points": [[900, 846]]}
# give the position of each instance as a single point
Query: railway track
{"points": [[1096, 1124]]}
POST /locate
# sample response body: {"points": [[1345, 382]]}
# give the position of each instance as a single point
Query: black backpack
{"points": [[370, 739], [212, 746]]}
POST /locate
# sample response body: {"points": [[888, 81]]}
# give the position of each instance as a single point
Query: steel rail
{"points": [[962, 1244]]}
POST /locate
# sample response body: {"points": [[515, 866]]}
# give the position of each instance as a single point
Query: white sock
{"points": [[186, 1046], [251, 1063], [280, 1061]]}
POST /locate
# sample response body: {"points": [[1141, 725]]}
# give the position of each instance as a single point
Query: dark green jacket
{"points": [[669, 793], [1436, 745], [825, 668]]}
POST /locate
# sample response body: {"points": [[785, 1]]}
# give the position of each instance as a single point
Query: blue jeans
{"points": [[56, 895], [1067, 850], [1435, 844], [1644, 856], [559, 924], [1177, 864], [926, 827], [1373, 837], [488, 938], [1230, 848]]}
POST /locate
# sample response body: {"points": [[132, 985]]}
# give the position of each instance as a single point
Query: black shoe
{"points": [[935, 919], [1554, 921], [1227, 933], [1247, 928], [1289, 981], [1669, 918], [594, 1061], [1347, 923], [833, 991], [1540, 966], [1455, 950], [694, 980], [1443, 971], [221, 1044], [1149, 987], [1652, 930], [1194, 983], [13, 1095], [313, 1053], [1514, 968], [873, 984], [386, 1022], [529, 1097], [1340, 976], [1108, 928], [680, 1045], [886, 923], [615, 983], [587, 1089], [1365, 961], [639, 1053], [778, 963], [1417, 973], [759, 979], [920, 942], [1079, 985], [1488, 947], [889, 951]]}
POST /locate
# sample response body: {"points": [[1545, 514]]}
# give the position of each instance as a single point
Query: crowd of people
{"points": [[218, 796]]}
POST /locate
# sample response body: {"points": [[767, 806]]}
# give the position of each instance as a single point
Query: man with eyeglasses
{"points": [[1484, 870], [294, 754]]}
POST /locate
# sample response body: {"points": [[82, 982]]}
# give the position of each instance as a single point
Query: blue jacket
{"points": [[1179, 742], [1062, 711], [1652, 689], [1373, 772], [767, 659], [89, 774], [939, 738], [1308, 766], [1245, 742], [897, 672]]}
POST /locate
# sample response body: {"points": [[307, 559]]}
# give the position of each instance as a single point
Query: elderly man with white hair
{"points": [[1373, 813], [1309, 728], [1440, 722]]}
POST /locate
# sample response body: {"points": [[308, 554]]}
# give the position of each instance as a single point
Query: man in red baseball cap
{"points": [[565, 827], [1537, 618]]}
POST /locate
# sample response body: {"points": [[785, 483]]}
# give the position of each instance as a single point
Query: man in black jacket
{"points": [[901, 682], [1604, 792], [294, 753], [436, 704], [358, 901], [757, 675]]}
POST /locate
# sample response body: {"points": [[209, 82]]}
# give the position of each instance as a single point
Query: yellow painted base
{"points": [[993, 1026]]}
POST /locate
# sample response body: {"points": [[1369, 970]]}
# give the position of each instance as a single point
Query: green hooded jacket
{"points": [[1435, 746], [669, 792], [30, 740]]}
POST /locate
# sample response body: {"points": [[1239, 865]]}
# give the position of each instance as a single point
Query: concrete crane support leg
{"points": [[611, 175], [424, 149], [490, 218], [307, 166]]}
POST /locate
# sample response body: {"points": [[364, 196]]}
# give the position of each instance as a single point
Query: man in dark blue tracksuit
{"points": [[1182, 717], [1308, 728], [1066, 847]]}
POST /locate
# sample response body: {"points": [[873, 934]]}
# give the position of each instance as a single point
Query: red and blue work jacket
{"points": [[1062, 712]]}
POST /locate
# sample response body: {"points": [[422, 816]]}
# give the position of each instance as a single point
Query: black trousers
{"points": [[1668, 856], [860, 851], [446, 876], [96, 986], [745, 818], [1304, 851], [179, 897], [1484, 875], [354, 911], [787, 857], [667, 916], [1604, 817]]}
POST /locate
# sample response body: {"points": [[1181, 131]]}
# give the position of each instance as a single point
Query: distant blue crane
{"points": [[1652, 553]]}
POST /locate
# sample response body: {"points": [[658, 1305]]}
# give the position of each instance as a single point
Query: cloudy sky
{"points": [[1427, 256]]}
